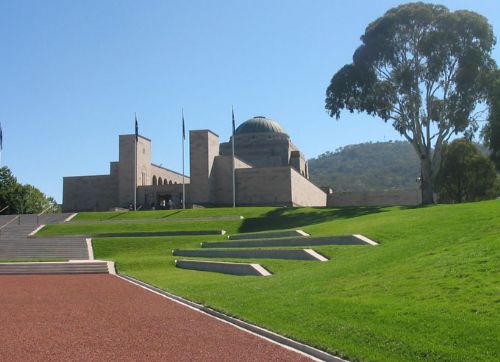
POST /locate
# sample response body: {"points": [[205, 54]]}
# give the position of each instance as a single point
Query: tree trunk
{"points": [[426, 180]]}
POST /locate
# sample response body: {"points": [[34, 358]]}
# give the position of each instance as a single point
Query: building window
{"points": [[155, 181], [160, 181]]}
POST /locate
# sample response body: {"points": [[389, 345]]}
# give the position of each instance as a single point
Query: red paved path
{"points": [[104, 318]]}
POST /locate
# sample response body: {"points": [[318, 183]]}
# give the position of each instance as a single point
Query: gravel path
{"points": [[104, 318]]}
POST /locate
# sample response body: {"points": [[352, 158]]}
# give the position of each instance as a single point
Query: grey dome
{"points": [[259, 124]]}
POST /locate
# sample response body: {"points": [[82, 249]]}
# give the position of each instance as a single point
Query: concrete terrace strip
{"points": [[163, 329], [162, 219], [292, 254], [223, 267], [268, 234], [309, 241]]}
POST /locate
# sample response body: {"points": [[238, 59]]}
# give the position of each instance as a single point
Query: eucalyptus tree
{"points": [[491, 132], [423, 68]]}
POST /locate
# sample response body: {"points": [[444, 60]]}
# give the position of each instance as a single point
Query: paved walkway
{"points": [[104, 318]]}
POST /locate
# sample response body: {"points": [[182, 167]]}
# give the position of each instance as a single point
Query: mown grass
{"points": [[429, 292], [127, 227], [163, 214]]}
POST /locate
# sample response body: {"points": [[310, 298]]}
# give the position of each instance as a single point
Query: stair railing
{"points": [[43, 212]]}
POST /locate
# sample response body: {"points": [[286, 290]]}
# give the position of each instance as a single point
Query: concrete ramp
{"points": [[268, 235], [310, 241], [223, 267], [291, 254]]}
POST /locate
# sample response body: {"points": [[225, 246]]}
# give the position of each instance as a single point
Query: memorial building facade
{"points": [[269, 170]]}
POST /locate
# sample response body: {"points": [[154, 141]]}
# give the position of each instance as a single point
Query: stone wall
{"points": [[223, 169], [298, 161], [126, 167], [260, 149], [304, 192], [264, 186], [203, 147], [376, 198], [166, 176], [89, 193], [148, 197]]}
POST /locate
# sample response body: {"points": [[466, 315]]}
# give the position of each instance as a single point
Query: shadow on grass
{"points": [[116, 215], [287, 218], [169, 215]]}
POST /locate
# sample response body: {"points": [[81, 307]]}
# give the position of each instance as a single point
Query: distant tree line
{"points": [[22, 199]]}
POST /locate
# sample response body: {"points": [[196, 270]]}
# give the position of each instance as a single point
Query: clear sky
{"points": [[72, 74]]}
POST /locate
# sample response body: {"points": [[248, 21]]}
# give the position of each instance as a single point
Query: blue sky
{"points": [[72, 74]]}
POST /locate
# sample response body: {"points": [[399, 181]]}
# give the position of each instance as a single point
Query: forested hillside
{"points": [[367, 166]]}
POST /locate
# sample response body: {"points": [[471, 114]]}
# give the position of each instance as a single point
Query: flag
{"points": [[1, 137], [234, 126], [183, 127], [136, 129]]}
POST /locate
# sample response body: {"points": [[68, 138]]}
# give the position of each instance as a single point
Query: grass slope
{"points": [[430, 291], [126, 215]]}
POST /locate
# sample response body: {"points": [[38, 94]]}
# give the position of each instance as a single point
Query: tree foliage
{"points": [[424, 69], [22, 199], [465, 174], [491, 132]]}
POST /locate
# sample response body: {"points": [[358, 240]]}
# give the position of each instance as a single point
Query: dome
{"points": [[259, 124]]}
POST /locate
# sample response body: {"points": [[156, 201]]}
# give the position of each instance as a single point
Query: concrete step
{"points": [[309, 241], [223, 267], [289, 254], [14, 256], [71, 267]]}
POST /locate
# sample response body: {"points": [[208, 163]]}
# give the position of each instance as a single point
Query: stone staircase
{"points": [[44, 248], [71, 267], [18, 242]]}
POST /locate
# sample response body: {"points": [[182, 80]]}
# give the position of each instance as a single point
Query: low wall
{"points": [[376, 198]]}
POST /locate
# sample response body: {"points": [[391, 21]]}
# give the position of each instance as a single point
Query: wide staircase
{"points": [[22, 252]]}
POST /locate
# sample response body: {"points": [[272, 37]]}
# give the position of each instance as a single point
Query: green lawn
{"points": [[163, 214], [429, 291]]}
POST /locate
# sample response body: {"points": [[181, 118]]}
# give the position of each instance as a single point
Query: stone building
{"points": [[269, 170]]}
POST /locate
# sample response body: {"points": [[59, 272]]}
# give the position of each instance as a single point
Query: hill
{"points": [[367, 166]]}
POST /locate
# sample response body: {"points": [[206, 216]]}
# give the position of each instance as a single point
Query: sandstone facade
{"points": [[269, 170]]}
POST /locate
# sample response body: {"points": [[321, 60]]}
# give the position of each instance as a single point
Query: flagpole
{"points": [[135, 162], [232, 146], [183, 183]]}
